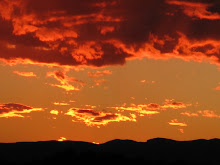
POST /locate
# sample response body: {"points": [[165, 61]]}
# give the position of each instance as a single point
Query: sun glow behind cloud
{"points": [[61, 139]]}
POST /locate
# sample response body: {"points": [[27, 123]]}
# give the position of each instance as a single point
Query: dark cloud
{"points": [[98, 32], [4, 108], [106, 117], [15, 110], [92, 112], [92, 117]]}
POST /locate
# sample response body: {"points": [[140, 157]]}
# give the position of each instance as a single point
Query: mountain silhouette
{"points": [[153, 151]]}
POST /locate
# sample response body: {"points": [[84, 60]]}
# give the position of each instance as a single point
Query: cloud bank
{"points": [[99, 33]]}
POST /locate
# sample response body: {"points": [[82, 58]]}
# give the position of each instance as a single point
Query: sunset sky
{"points": [[98, 70]]}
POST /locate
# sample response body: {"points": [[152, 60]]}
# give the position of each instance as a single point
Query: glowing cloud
{"points": [[61, 104], [189, 114], [91, 106], [175, 122], [66, 87], [54, 112], [209, 113], [141, 109], [152, 108], [174, 105], [25, 74], [95, 143], [148, 82], [96, 118], [143, 81], [107, 29], [181, 130], [195, 9], [64, 80], [8, 110], [203, 113]]}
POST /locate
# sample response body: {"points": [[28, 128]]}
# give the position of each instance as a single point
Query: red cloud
{"points": [[16, 110], [107, 29], [181, 130], [95, 118], [195, 9], [100, 33], [217, 88]]}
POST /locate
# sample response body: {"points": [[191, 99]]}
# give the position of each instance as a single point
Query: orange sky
{"points": [[100, 70]]}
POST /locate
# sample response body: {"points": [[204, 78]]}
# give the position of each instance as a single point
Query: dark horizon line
{"points": [[97, 143]]}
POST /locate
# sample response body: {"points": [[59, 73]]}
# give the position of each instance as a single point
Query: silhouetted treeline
{"points": [[154, 151]]}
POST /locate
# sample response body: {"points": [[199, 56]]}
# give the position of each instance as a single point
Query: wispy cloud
{"points": [[170, 103], [152, 108], [218, 87], [65, 81], [100, 82], [61, 104], [202, 113], [147, 82], [196, 9], [209, 113], [181, 130], [175, 122], [189, 114], [99, 73], [25, 74]]}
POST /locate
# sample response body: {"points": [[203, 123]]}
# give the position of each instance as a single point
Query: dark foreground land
{"points": [[154, 151]]}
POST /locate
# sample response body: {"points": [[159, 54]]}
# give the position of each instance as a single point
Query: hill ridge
{"points": [[198, 150]]}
